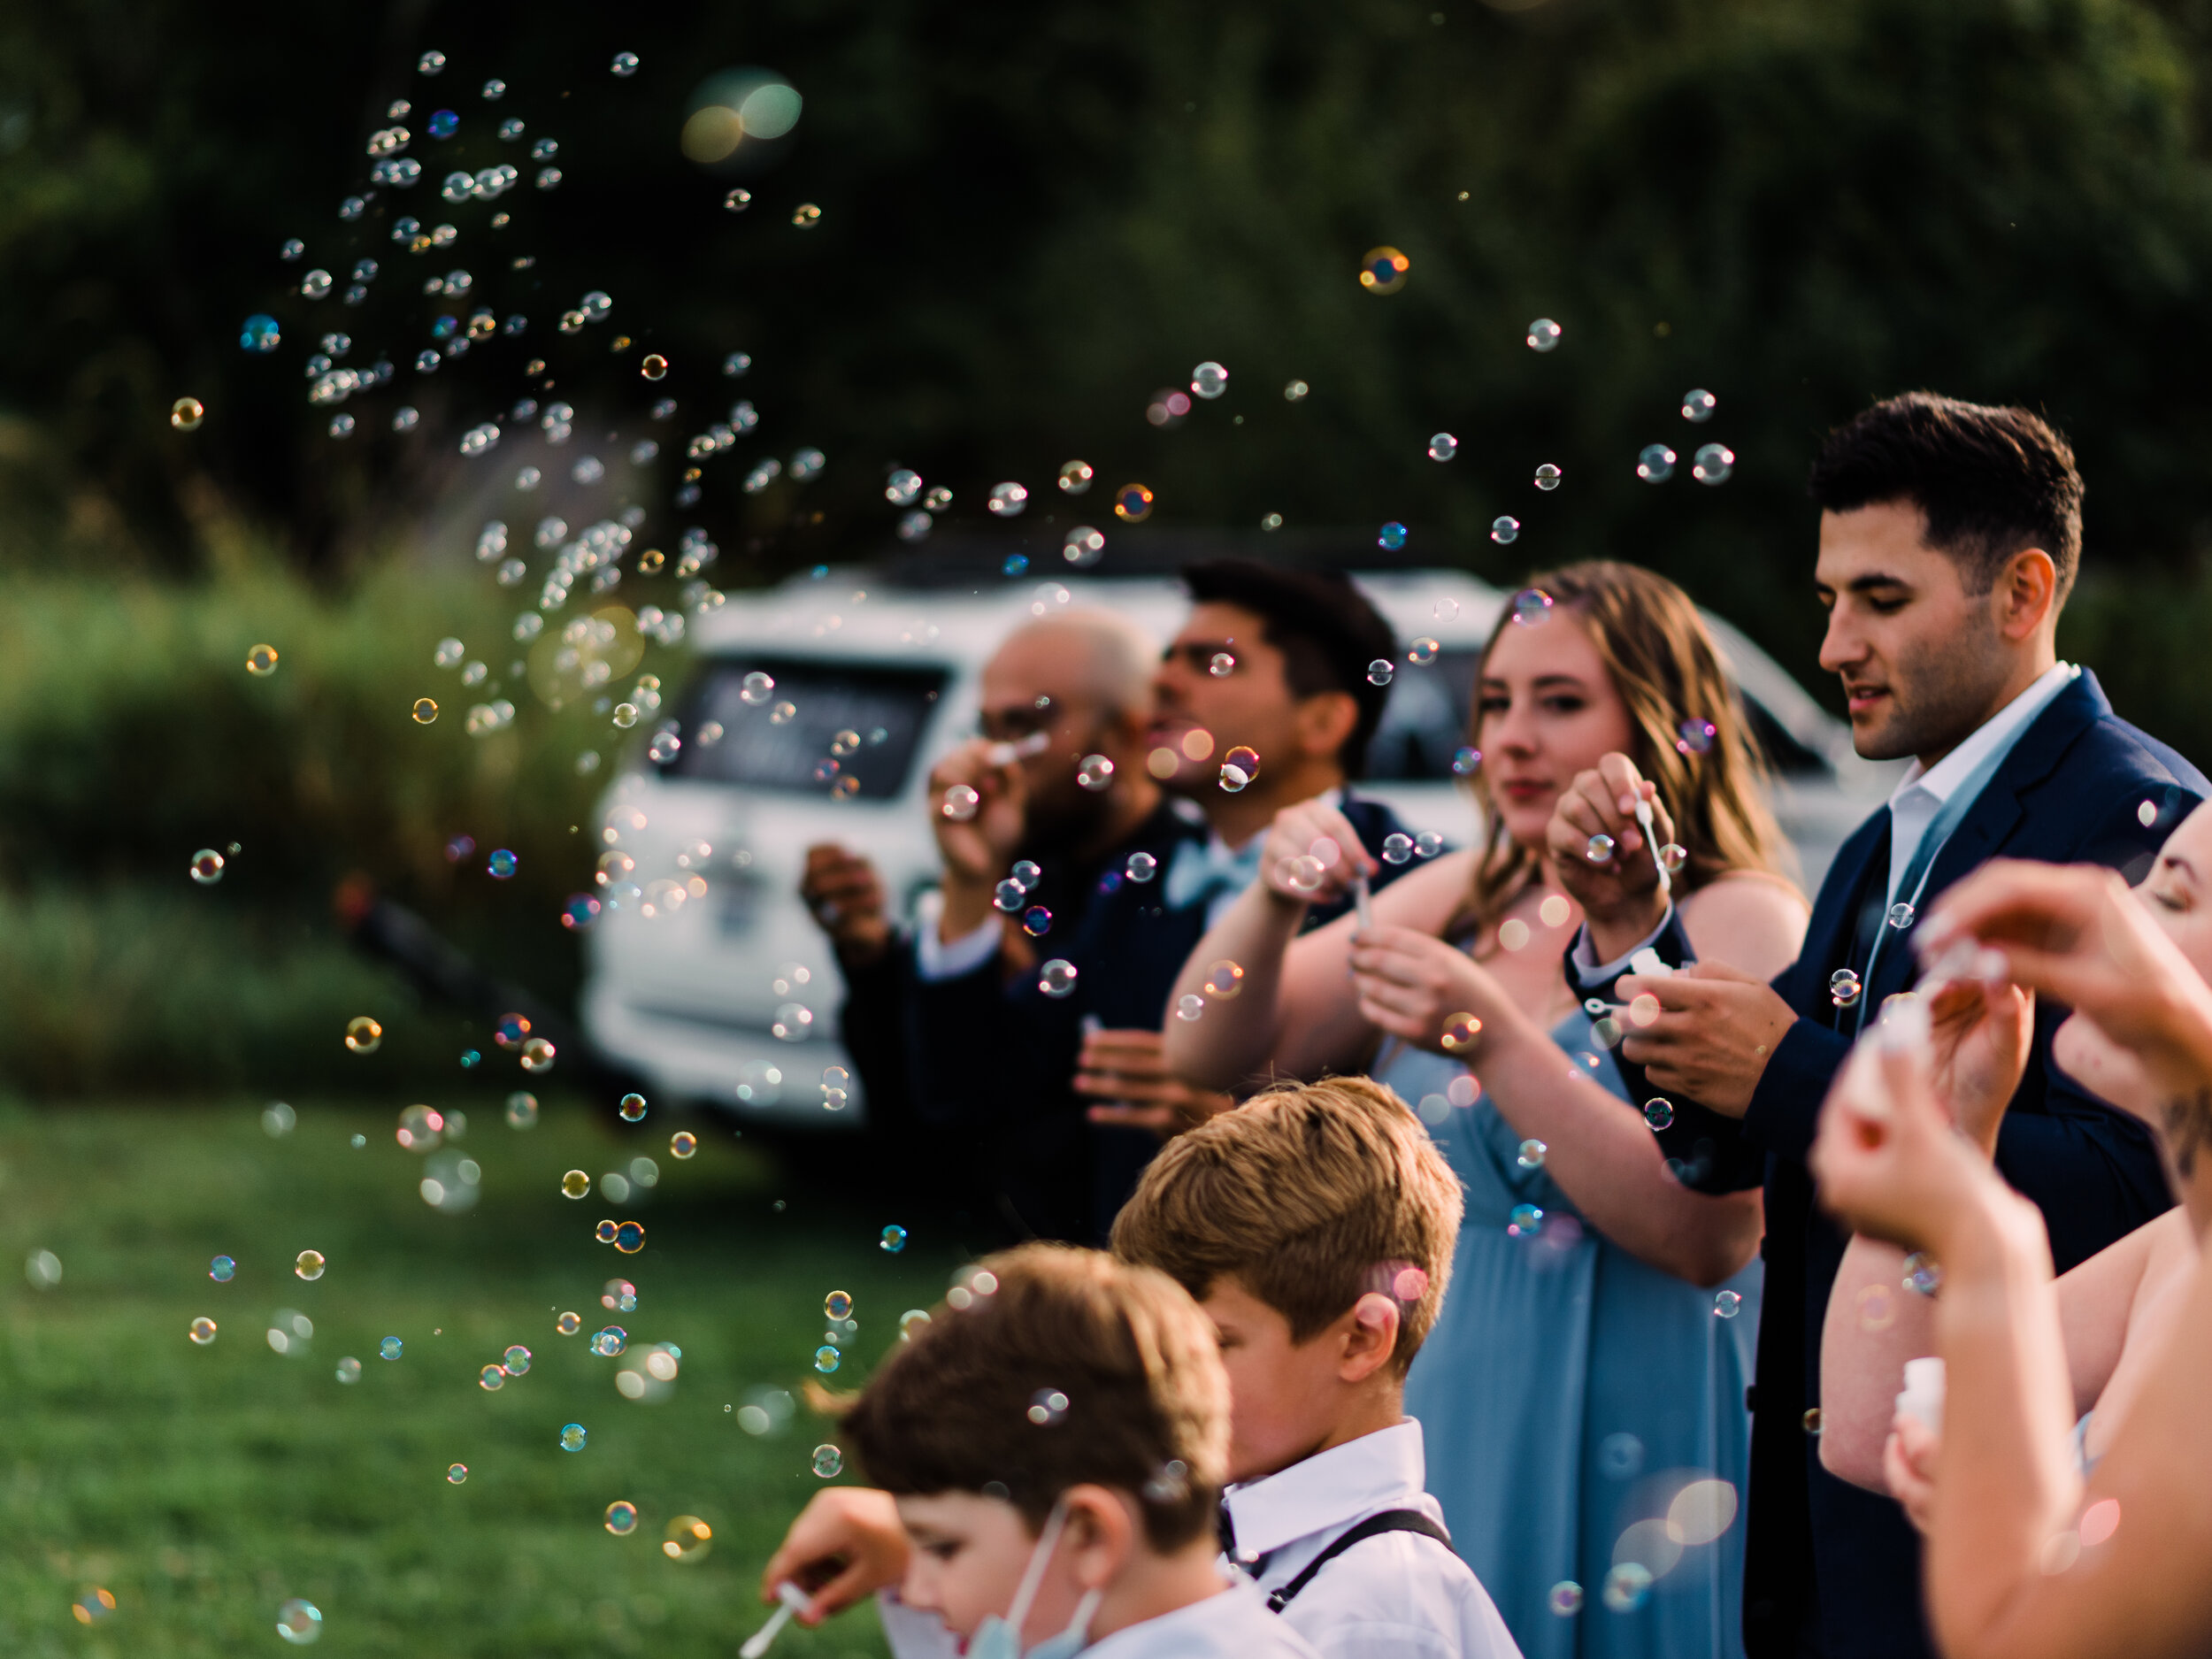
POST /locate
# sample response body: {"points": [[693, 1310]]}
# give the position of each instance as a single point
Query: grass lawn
{"points": [[203, 1487]]}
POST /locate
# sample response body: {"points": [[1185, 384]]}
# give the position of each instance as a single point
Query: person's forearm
{"points": [[1234, 1037], [2008, 1483], [1602, 1155], [1874, 1326]]}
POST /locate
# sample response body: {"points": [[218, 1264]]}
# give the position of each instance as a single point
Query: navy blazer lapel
{"points": [[1990, 823], [1828, 934]]}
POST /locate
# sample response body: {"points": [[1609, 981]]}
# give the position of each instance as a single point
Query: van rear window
{"points": [[847, 726]]}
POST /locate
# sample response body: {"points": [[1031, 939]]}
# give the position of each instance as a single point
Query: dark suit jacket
{"points": [[991, 1059], [1833, 1570]]}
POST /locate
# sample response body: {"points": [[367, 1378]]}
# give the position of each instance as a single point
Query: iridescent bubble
{"points": [[618, 1295], [390, 1347], [1505, 530], [1208, 380], [203, 1330], [1189, 1007], [1047, 1407], [1095, 773], [363, 1035], [1564, 1599], [1900, 915], [1224, 980], [1427, 844], [261, 661], [348, 1371], [1397, 849], [1655, 464], [632, 1108], [892, 1240], [1391, 537], [960, 804], [756, 689], [1532, 1155], [1379, 670], [1442, 446], [1525, 1221], [683, 1144], [1383, 271], [826, 1359], [1699, 406], [1713, 464], [1132, 503], [1843, 987], [1627, 1586], [629, 1237], [1460, 1031], [624, 65], [1673, 856], [298, 1622], [1008, 500], [537, 1055], [1695, 737], [310, 1266], [738, 201], [1141, 867], [1659, 1112], [1036, 921], [260, 333], [829, 1462], [426, 710], [222, 1269], [492, 1378], [1543, 335], [1727, 1305], [515, 1360], [1547, 476], [187, 413], [569, 1323], [604, 1232], [207, 866], [610, 1342], [1923, 1276], [573, 1436], [1600, 850], [502, 865]]}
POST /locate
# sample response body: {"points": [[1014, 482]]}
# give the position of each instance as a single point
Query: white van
{"points": [[705, 973]]}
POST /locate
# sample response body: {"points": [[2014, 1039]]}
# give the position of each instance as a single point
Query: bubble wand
{"points": [[794, 1601]]}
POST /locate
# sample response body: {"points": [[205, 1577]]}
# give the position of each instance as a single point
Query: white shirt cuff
{"points": [[1585, 954], [936, 959]]}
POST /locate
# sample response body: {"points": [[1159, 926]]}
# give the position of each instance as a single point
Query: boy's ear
{"points": [[1102, 1532], [1370, 1337]]}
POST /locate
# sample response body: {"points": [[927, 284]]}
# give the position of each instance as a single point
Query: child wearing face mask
{"points": [[1315, 1226], [1050, 1451]]}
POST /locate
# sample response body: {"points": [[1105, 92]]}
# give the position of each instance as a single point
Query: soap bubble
{"points": [[1056, 978], [1659, 1112], [1900, 915], [501, 865], [1547, 477], [1695, 737], [1132, 503], [568, 1324], [654, 367], [426, 710], [1095, 773], [515, 1360], [262, 660], [1208, 380], [1532, 1155], [222, 1269], [1600, 849], [573, 1436], [618, 1295], [1655, 464], [1713, 464], [1543, 335], [621, 1518], [1047, 1405], [837, 1305], [1422, 652], [576, 1183], [310, 1266], [300, 1623], [624, 65], [203, 1330], [1727, 1305], [1427, 844], [1076, 477], [1565, 1599], [492, 1378], [207, 866], [1460, 1031], [611, 1342], [1843, 987], [1525, 1221], [1699, 406], [537, 1055], [187, 413], [1924, 1277], [682, 1144], [1627, 1586], [1189, 1008], [363, 1035], [632, 1108], [826, 1359], [1505, 530], [1673, 856], [390, 1347], [348, 1371], [1008, 500], [1397, 849], [893, 1240], [1442, 446], [829, 1462], [1224, 980], [960, 804], [1391, 537], [260, 333], [1238, 767], [1141, 867], [629, 1237], [1383, 271], [1379, 670]]}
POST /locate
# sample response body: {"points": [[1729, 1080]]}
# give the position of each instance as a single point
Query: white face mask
{"points": [[1000, 1635]]}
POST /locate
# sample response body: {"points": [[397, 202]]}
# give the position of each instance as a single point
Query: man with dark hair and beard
{"points": [[1949, 537]]}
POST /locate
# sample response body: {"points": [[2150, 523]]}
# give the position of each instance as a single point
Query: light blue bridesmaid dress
{"points": [[1569, 1393]]}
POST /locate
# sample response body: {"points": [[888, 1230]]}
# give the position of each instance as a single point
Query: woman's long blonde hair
{"points": [[1663, 663]]}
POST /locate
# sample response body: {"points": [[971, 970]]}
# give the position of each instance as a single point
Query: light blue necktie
{"points": [[1204, 869]]}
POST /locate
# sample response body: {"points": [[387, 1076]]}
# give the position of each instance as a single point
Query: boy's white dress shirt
{"points": [[1235, 1625], [1396, 1593]]}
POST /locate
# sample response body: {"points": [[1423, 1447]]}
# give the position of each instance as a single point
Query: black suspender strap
{"points": [[1373, 1526]]}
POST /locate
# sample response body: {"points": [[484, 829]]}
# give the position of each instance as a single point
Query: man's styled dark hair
{"points": [[1990, 481], [1325, 628]]}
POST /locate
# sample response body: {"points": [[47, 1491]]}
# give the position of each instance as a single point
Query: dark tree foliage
{"points": [[1033, 218]]}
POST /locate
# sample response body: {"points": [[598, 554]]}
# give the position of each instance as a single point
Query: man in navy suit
{"points": [[1949, 537]]}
